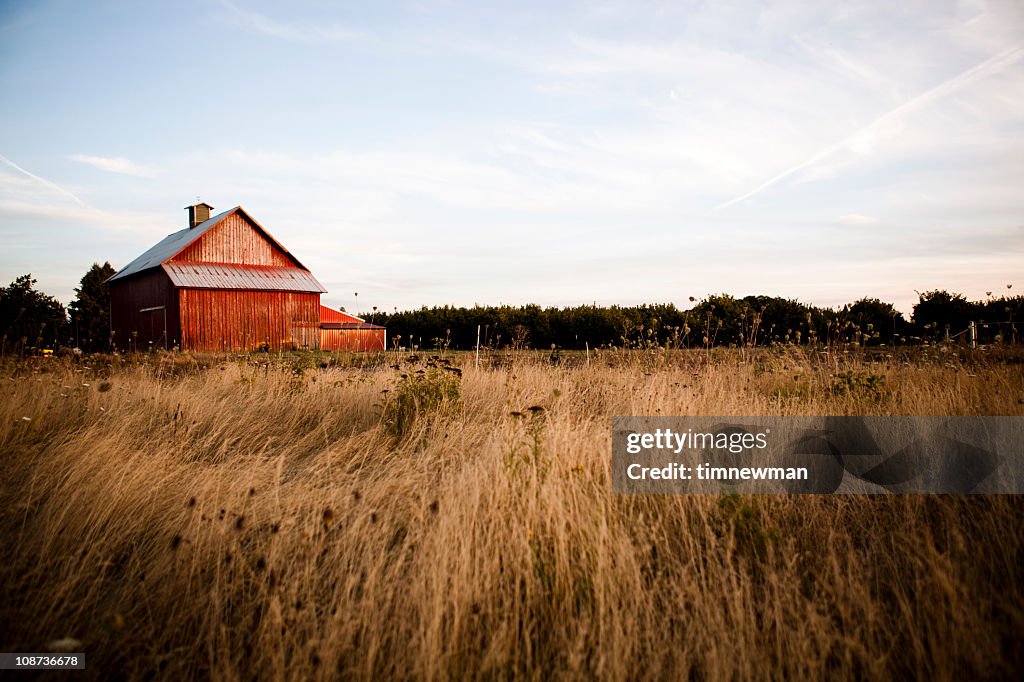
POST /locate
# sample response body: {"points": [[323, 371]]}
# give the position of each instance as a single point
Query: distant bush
{"points": [[421, 393]]}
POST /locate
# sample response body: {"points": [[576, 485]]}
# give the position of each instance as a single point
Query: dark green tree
{"points": [[783, 320], [1002, 319], [29, 318], [939, 309], [719, 320], [90, 311], [878, 321]]}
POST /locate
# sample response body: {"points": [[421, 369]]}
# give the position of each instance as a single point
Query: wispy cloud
{"points": [[866, 137], [843, 62], [109, 221], [43, 181], [857, 219], [296, 32], [114, 165]]}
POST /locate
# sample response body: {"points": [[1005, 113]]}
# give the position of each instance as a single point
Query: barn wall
{"points": [[352, 339], [225, 319], [127, 299], [235, 240]]}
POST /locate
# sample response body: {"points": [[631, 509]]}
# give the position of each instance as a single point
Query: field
{"points": [[307, 517]]}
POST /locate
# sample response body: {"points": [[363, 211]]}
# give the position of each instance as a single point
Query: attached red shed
{"points": [[222, 284], [341, 331]]}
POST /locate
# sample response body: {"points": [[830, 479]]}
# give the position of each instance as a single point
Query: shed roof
{"points": [[336, 319], [350, 325], [328, 314], [176, 242]]}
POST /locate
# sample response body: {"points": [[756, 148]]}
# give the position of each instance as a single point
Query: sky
{"points": [[432, 153]]}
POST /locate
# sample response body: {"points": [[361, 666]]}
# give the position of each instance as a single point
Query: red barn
{"points": [[341, 331], [222, 284]]}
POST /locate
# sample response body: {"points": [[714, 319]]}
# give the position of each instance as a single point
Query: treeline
{"points": [[719, 320], [31, 320]]}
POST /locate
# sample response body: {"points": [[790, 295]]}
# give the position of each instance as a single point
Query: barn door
{"points": [[304, 336], [153, 327]]}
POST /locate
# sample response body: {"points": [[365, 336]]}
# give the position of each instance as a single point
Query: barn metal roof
{"points": [[226, 276], [176, 242], [168, 247]]}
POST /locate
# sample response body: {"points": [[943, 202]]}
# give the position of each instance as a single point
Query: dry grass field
{"points": [[259, 517]]}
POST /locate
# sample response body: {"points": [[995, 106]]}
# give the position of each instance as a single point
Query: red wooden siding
{"points": [[224, 319], [128, 298], [235, 240], [352, 339]]}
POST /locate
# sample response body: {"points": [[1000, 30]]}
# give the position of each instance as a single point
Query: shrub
{"points": [[423, 392]]}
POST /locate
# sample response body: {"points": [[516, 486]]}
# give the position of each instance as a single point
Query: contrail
{"points": [[985, 68], [52, 185]]}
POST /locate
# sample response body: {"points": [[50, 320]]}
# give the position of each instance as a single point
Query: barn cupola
{"points": [[198, 213]]}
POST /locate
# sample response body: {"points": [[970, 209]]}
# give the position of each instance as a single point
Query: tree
{"points": [[724, 320], [90, 311], [29, 318], [935, 310], [785, 320], [1002, 317], [878, 321]]}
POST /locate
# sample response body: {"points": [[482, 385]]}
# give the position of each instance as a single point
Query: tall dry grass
{"points": [[251, 518]]}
